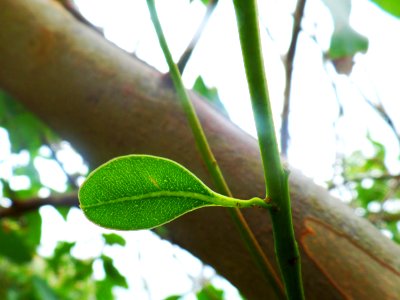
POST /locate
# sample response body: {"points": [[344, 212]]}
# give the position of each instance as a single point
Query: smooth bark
{"points": [[107, 103]]}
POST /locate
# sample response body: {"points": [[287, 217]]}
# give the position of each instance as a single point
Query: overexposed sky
{"points": [[314, 106]]}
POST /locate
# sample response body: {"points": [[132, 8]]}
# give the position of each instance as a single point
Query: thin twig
{"points": [[383, 217], [70, 6], [289, 59], [20, 207], [374, 178], [189, 49], [379, 108]]}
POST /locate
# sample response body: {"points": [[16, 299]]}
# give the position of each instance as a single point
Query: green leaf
{"points": [[390, 6], [211, 94], [62, 249], [114, 239], [63, 211], [345, 42], [210, 292], [25, 130], [174, 297], [205, 2], [13, 246], [141, 192], [112, 273], [104, 290], [42, 289], [33, 229]]}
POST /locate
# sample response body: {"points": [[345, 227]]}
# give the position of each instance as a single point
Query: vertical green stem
{"points": [[211, 163], [276, 177]]}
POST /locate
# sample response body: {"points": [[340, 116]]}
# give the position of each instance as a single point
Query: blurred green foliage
{"points": [[374, 189], [24, 274], [207, 292]]}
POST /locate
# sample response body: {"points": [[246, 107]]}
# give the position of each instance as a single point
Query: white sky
{"points": [[314, 108]]}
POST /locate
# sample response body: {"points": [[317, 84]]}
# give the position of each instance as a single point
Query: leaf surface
{"points": [[142, 192], [390, 6]]}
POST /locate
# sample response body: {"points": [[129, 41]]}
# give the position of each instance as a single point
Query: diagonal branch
{"points": [[380, 109], [289, 59], [190, 48], [70, 6]]}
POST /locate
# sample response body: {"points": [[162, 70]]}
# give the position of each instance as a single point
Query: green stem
{"points": [[201, 141], [276, 177]]}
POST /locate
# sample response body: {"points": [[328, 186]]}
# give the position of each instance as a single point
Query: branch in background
{"points": [[189, 49], [70, 6], [386, 217], [358, 179], [20, 207], [375, 178], [379, 108], [298, 16]]}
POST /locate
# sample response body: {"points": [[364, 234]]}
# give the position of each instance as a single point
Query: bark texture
{"points": [[107, 103]]}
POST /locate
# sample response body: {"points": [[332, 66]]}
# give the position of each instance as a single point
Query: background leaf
{"points": [[43, 290], [112, 273], [211, 94], [210, 292], [345, 41], [390, 6], [114, 239], [13, 245]]}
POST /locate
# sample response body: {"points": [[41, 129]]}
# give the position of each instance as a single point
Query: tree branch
{"points": [[381, 111], [20, 207], [70, 6], [190, 48], [289, 59]]}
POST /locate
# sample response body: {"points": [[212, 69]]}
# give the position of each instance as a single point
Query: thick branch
{"points": [[107, 103]]}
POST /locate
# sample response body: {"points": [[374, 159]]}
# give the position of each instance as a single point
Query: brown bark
{"points": [[106, 103]]}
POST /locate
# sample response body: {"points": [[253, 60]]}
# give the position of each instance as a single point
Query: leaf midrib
{"points": [[178, 194]]}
